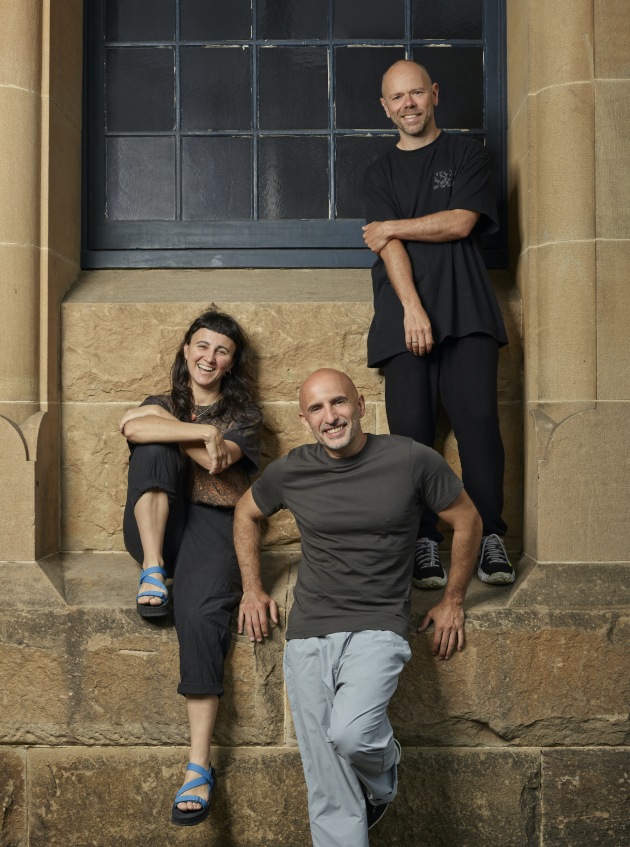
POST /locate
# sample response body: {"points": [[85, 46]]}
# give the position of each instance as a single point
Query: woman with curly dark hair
{"points": [[192, 451]]}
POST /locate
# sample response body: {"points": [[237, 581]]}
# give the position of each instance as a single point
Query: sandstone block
{"points": [[65, 184], [464, 797], [517, 64], [259, 802], [613, 318], [19, 375], [586, 797], [20, 45], [566, 341], [563, 191], [13, 797], [66, 70], [611, 39], [560, 43], [578, 521], [129, 371], [20, 135], [612, 117], [526, 678]]}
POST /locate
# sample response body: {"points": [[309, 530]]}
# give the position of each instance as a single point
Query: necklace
{"points": [[205, 410]]}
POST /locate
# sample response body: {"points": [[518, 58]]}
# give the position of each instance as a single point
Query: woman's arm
{"points": [[203, 443]]}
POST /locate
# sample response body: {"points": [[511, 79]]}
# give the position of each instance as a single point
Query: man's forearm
{"points": [[247, 545], [464, 551], [399, 272], [451, 225]]}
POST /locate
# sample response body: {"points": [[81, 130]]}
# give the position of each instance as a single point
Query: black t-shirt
{"points": [[453, 172], [358, 519]]}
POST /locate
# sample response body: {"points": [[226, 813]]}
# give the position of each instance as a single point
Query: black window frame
{"points": [[270, 243]]}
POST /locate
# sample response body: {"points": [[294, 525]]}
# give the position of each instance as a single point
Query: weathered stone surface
{"points": [[586, 797], [612, 31], [560, 45], [13, 829], [464, 797], [563, 193], [93, 672], [566, 343], [574, 586], [613, 319], [611, 160], [580, 468], [527, 678], [35, 674], [103, 339], [104, 796]]}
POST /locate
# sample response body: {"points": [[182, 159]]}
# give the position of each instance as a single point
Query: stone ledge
{"points": [[85, 669], [529, 797]]}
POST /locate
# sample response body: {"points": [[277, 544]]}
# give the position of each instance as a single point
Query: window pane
{"points": [[447, 18], [293, 177], [216, 179], [140, 179], [293, 88], [140, 20], [358, 85], [205, 21], [369, 19], [140, 83], [216, 88], [459, 74], [292, 18], [352, 156]]}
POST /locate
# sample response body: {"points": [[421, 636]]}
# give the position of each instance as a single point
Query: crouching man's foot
{"points": [[494, 566], [375, 813]]}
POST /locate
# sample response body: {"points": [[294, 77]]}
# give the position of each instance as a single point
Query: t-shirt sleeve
{"points": [[472, 188], [162, 400], [434, 481], [267, 490], [378, 199], [244, 431]]}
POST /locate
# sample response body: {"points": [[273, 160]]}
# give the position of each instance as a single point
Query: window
{"points": [[236, 134]]}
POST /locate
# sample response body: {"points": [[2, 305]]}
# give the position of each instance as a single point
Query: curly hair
{"points": [[238, 388]]}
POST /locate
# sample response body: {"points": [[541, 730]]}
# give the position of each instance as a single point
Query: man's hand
{"points": [[418, 334], [252, 614], [448, 619], [376, 235]]}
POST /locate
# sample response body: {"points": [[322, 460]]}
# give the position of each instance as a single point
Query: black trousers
{"points": [[463, 373], [199, 554]]}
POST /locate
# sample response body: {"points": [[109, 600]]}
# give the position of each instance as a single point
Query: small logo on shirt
{"points": [[443, 179]]}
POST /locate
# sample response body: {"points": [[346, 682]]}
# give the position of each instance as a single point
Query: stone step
{"points": [[506, 744]]}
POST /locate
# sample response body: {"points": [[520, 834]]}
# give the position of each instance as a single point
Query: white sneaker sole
{"points": [[431, 582], [498, 578]]}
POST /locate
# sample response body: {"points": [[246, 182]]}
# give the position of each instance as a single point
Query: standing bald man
{"points": [[357, 500], [437, 326]]}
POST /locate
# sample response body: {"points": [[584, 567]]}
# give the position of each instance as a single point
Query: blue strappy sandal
{"points": [[147, 610], [191, 818]]}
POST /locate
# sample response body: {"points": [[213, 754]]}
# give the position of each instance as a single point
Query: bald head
{"points": [[326, 378], [331, 410], [409, 98], [403, 67]]}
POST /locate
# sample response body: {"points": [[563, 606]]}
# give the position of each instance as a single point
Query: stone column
{"points": [[40, 129], [568, 74]]}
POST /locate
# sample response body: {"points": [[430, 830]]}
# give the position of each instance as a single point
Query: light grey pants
{"points": [[339, 687]]}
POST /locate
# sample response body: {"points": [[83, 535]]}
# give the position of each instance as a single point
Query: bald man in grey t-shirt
{"points": [[357, 500]]}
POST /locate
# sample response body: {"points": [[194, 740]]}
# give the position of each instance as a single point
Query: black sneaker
{"points": [[375, 813], [427, 570], [494, 566]]}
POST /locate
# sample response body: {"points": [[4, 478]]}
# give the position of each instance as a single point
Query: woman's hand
{"points": [[142, 412], [217, 450]]}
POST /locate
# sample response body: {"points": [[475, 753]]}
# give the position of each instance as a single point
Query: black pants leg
{"points": [[199, 553], [463, 372]]}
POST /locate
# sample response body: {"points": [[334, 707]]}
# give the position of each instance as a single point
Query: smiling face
{"points": [[209, 356], [332, 410], [409, 98]]}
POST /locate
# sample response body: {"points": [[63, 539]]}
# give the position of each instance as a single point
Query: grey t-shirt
{"points": [[358, 518]]}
